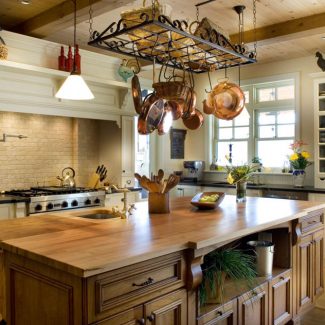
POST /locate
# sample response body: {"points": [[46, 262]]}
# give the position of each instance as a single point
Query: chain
{"points": [[153, 9], [90, 21], [254, 23], [197, 13]]}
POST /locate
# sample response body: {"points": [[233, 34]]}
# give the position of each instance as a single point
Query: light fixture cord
{"points": [[90, 21], [74, 34], [254, 23]]}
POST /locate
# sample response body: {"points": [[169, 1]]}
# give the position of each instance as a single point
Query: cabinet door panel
{"points": [[133, 316], [318, 274], [253, 307], [223, 315], [2, 286], [170, 309], [280, 299], [304, 273]]}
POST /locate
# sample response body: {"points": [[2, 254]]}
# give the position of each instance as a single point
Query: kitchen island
{"points": [[142, 269]]}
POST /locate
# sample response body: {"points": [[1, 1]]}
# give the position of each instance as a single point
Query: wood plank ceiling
{"points": [[285, 28]]}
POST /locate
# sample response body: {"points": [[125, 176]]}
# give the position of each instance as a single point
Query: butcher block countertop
{"points": [[85, 247]]}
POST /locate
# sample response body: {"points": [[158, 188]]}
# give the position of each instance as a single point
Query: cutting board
{"points": [[93, 181]]}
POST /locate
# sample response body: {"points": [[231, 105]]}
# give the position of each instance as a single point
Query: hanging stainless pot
{"points": [[152, 111], [228, 100]]}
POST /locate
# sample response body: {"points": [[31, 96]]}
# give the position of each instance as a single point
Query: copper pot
{"points": [[176, 108], [228, 100], [207, 109], [171, 90]]}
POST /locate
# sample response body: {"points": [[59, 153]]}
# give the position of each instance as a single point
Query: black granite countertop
{"points": [[6, 198], [282, 187]]}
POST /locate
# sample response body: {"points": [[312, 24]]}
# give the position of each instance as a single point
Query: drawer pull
{"points": [[141, 321], [219, 313], [281, 278], [145, 283], [151, 317], [311, 222]]}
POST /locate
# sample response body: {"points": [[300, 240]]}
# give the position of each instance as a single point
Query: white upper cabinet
{"points": [[30, 79]]}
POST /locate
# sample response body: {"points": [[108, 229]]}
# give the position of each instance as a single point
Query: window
{"points": [[236, 133], [265, 128]]}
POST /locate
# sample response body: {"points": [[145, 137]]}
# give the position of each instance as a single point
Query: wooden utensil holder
{"points": [[158, 202]]}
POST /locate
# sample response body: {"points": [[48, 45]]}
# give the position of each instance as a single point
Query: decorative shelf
{"points": [[171, 43], [9, 65]]}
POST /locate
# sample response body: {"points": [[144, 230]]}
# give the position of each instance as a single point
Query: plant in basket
{"points": [[221, 264]]}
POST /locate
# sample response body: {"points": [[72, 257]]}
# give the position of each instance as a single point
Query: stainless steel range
{"points": [[54, 198]]}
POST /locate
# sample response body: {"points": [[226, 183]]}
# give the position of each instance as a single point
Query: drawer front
{"points": [[132, 285], [311, 222], [225, 314], [133, 316]]}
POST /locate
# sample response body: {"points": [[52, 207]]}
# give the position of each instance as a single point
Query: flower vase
{"points": [[241, 191], [298, 177]]}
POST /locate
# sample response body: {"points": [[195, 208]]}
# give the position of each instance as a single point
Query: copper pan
{"points": [[151, 114], [228, 100], [195, 121], [136, 94]]}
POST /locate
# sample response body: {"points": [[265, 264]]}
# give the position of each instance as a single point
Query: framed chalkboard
{"points": [[177, 140]]}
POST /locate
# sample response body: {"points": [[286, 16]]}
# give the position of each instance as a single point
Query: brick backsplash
{"points": [[53, 143]]}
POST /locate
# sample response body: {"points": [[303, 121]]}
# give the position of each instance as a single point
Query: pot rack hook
{"points": [[209, 91]]}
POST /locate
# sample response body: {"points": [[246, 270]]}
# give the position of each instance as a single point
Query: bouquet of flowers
{"points": [[240, 173], [299, 159]]}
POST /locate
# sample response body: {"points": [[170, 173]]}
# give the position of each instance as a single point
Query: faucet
{"points": [[127, 209]]}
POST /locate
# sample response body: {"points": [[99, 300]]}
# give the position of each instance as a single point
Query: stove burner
{"points": [[54, 198], [63, 190]]}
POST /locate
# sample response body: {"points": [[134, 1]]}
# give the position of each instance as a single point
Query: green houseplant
{"points": [[221, 264]]}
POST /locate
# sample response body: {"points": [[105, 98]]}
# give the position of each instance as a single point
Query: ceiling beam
{"points": [[292, 29], [60, 16]]}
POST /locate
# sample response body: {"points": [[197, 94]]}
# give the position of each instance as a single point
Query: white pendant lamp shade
{"points": [[74, 88]]}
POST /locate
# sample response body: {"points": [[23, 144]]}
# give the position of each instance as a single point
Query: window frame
{"points": [[252, 85]]}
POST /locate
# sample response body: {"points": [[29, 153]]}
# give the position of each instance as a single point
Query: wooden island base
{"points": [[60, 277]]}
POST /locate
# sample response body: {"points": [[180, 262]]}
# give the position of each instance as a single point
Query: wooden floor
{"points": [[314, 317]]}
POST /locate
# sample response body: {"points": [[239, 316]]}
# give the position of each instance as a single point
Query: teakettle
{"points": [[67, 179]]}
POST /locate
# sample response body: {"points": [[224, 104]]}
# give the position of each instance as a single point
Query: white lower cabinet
{"points": [[185, 190], [316, 197], [117, 199], [227, 190], [12, 210]]}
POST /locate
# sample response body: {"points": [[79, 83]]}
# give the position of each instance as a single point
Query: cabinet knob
{"points": [[141, 321], [151, 317]]}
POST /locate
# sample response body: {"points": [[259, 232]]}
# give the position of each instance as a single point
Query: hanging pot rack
{"points": [[181, 49]]}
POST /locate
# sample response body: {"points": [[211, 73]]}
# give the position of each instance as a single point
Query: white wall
{"points": [[196, 143]]}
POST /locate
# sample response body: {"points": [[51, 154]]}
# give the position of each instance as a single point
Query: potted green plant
{"points": [[221, 264], [257, 162]]}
